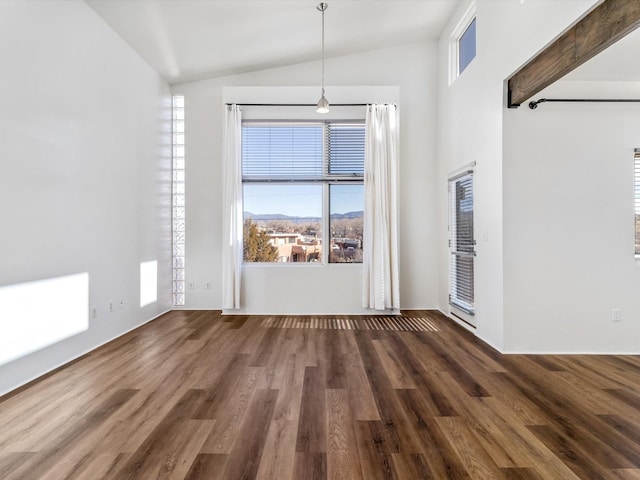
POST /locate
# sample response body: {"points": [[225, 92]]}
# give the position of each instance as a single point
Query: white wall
{"points": [[569, 229], [470, 121], [85, 171], [411, 69]]}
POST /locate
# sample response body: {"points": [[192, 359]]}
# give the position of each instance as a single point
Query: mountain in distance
{"points": [[338, 216], [280, 216]]}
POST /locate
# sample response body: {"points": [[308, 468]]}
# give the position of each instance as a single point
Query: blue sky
{"points": [[301, 200]]}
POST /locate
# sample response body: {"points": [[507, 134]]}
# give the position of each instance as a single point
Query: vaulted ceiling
{"points": [[188, 40]]}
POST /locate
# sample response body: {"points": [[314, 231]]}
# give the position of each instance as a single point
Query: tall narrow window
{"points": [[467, 47], [290, 172], [462, 44], [346, 208], [178, 200], [461, 243], [346, 199], [636, 194]]}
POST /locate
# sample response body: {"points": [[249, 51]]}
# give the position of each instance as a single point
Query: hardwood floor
{"points": [[194, 395]]}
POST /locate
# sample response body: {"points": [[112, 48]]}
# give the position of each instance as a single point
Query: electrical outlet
{"points": [[94, 312], [207, 285], [111, 306], [616, 315]]}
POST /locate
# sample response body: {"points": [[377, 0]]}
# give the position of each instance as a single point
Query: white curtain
{"points": [[381, 279], [232, 214]]}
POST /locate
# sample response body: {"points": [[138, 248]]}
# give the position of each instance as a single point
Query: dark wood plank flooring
{"points": [[195, 395]]}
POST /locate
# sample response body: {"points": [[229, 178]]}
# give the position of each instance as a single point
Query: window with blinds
{"points": [[302, 152], [346, 150], [461, 243], [272, 152], [636, 197], [300, 178]]}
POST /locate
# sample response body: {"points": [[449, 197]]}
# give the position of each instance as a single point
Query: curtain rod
{"points": [[533, 105], [299, 104]]}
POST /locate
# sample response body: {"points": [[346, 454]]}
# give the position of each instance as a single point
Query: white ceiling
{"points": [[188, 40]]}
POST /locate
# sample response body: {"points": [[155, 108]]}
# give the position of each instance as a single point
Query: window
{"points": [[636, 194], [463, 44], [303, 189], [178, 200], [467, 47], [461, 243], [346, 205]]}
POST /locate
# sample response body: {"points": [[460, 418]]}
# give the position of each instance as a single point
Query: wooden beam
{"points": [[603, 26]]}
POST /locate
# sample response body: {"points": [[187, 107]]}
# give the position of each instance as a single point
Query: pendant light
{"points": [[323, 103]]}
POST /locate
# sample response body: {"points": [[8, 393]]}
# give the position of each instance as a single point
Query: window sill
{"points": [[296, 264]]}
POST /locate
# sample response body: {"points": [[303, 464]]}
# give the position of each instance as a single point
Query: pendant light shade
{"points": [[323, 103]]}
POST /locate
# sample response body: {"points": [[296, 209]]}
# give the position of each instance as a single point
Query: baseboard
{"points": [[551, 352], [372, 313], [459, 321]]}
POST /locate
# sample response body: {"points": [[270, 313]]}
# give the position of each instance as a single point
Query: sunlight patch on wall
{"points": [[37, 314], [148, 282]]}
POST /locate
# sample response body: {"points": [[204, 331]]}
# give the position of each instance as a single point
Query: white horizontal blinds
{"points": [[461, 242], [636, 193], [276, 151], [346, 150], [462, 201], [296, 151]]}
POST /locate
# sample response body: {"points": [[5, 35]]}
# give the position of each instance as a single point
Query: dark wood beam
{"points": [[603, 26]]}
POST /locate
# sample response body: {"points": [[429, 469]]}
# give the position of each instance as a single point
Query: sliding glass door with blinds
{"points": [[636, 198], [461, 245]]}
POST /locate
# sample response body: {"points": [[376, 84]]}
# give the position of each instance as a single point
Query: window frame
{"points": [[463, 25], [636, 202], [457, 250], [325, 180], [327, 217]]}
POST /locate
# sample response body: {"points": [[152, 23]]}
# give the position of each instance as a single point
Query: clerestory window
{"points": [[462, 49], [467, 47]]}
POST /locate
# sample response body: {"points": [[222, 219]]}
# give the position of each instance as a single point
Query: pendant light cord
{"points": [[323, 104], [324, 7]]}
